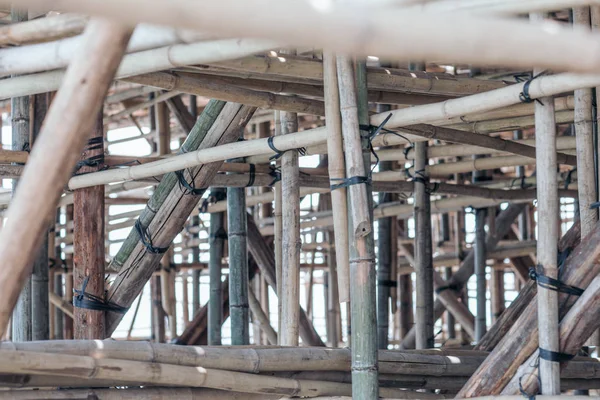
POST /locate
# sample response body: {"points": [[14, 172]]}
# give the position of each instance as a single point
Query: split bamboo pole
{"points": [[237, 232], [337, 172], [290, 241], [88, 242], [20, 126], [83, 90], [215, 302], [557, 49]]}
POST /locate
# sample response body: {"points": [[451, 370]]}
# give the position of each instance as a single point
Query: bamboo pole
{"points": [[261, 318], [82, 93], [354, 109], [196, 274], [480, 267], [40, 316], [384, 273], [548, 214], [88, 241], [290, 242], [506, 8], [555, 49], [20, 121], [68, 324], [237, 232], [216, 241], [278, 233], [43, 29], [336, 168]]}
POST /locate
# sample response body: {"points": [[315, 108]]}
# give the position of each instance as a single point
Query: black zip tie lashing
{"points": [[252, 175], [569, 177], [554, 356], [455, 287], [147, 240], [276, 174], [387, 283], [524, 95], [82, 299], [279, 153], [355, 180], [553, 284], [188, 188], [221, 233], [220, 195]]}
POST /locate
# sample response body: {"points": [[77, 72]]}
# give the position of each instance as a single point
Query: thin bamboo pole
{"points": [[384, 261], [548, 214], [336, 168], [68, 324], [42, 29], [216, 241], [278, 233], [480, 273], [291, 242], [20, 121], [82, 93], [237, 231], [261, 318], [88, 241], [196, 273], [343, 26]]}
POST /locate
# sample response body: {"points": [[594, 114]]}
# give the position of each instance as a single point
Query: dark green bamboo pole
{"points": [[363, 299], [40, 307], [384, 261], [215, 306], [21, 319], [480, 263], [237, 231]]}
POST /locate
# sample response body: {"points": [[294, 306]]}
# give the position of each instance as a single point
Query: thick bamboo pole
{"points": [[363, 300], [84, 88], [290, 242], [342, 27], [237, 232], [20, 121], [337, 172], [480, 267], [548, 235], [278, 231], [215, 302], [88, 241]]}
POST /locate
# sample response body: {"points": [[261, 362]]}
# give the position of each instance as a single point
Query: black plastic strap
{"points": [[214, 197], [354, 180], [279, 153], [387, 283], [569, 177], [221, 233], [553, 284], [252, 175], [188, 188], [147, 240], [276, 174], [454, 287], [82, 299], [524, 95], [563, 255], [555, 356]]}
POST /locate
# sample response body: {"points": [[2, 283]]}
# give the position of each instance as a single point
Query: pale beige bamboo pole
{"points": [[342, 28], [43, 29], [548, 214], [291, 242], [59, 143], [278, 234], [586, 179], [355, 167], [337, 173]]}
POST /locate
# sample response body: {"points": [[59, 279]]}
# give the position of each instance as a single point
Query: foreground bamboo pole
{"points": [[82, 93], [342, 27]]}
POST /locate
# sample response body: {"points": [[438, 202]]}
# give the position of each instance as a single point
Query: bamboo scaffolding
{"points": [[507, 8], [42, 29], [261, 318], [26, 218], [216, 241]]}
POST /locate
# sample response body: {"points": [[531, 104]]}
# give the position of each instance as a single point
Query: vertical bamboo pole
{"points": [[450, 321], [58, 286], [196, 272], [68, 277], [384, 264], [423, 253], [264, 302], [237, 231], [215, 302], [277, 242], [309, 291], [336, 168], [257, 333], [333, 303], [548, 214], [497, 289], [158, 314], [480, 265], [290, 242], [354, 109], [21, 319], [185, 299], [523, 222], [88, 241], [40, 316]]}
